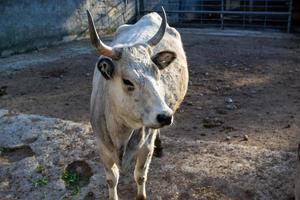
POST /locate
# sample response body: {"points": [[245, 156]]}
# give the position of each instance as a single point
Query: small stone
{"points": [[228, 100], [87, 74], [211, 122], [287, 126], [189, 103], [246, 137], [89, 196], [231, 107], [228, 138], [198, 108]]}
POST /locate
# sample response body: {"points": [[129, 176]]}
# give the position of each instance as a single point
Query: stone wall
{"points": [[34, 24]]}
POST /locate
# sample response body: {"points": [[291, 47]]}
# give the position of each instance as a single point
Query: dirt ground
{"points": [[243, 89]]}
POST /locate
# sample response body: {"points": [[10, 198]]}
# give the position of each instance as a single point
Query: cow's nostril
{"points": [[164, 119]]}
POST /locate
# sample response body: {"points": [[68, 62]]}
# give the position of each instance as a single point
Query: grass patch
{"points": [[40, 169], [5, 150], [3, 90], [71, 179], [41, 182]]}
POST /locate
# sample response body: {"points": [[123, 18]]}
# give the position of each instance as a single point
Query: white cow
{"points": [[139, 82]]}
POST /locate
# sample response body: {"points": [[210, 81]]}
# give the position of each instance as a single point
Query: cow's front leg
{"points": [[142, 165], [112, 178]]}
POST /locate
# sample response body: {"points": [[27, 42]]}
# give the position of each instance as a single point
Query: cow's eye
{"points": [[129, 84]]}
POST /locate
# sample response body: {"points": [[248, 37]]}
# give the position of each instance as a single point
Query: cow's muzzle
{"points": [[164, 119]]}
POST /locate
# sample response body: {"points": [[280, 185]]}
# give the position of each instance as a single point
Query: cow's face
{"points": [[133, 78], [135, 88]]}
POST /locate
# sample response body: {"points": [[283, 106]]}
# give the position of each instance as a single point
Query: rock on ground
{"points": [[35, 150]]}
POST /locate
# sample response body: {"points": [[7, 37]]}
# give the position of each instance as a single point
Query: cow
{"points": [[139, 82]]}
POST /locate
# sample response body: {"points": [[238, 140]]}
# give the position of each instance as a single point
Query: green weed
{"points": [[72, 181]]}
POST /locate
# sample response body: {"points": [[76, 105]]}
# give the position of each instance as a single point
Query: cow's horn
{"points": [[102, 48], [161, 31]]}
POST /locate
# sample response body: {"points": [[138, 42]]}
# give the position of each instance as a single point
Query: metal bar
{"points": [[201, 8], [137, 9], [251, 9], [222, 15], [244, 10], [290, 17], [142, 6], [223, 12], [266, 9]]}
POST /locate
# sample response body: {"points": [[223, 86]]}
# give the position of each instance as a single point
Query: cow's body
{"points": [[119, 143]]}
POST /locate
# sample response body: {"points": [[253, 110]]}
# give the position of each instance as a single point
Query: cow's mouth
{"points": [[158, 126]]}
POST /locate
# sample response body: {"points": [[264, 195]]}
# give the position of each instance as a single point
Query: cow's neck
{"points": [[118, 131]]}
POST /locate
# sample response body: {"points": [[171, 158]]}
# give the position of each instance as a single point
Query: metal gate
{"points": [[254, 14]]}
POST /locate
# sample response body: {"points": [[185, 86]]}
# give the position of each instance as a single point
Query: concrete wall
{"points": [[33, 24]]}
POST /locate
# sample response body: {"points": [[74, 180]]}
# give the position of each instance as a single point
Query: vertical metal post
{"points": [[222, 15], [250, 9], [290, 16], [201, 9], [141, 7], [244, 16], [137, 10], [266, 9]]}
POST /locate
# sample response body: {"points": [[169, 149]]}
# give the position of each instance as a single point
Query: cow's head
{"points": [[132, 74]]}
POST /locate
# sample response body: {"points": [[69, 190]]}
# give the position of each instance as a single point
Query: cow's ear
{"points": [[106, 67], [163, 59]]}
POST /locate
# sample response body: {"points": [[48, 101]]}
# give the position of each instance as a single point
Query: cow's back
{"points": [[175, 76]]}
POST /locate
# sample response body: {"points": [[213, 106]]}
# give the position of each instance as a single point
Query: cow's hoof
{"points": [[158, 152], [141, 197]]}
